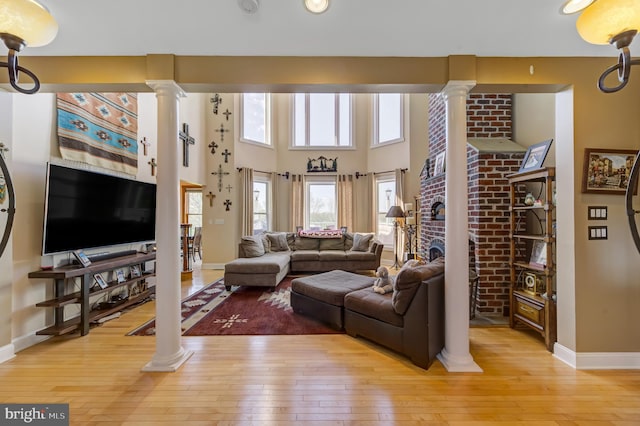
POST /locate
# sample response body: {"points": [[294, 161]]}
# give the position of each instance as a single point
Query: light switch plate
{"points": [[597, 213]]}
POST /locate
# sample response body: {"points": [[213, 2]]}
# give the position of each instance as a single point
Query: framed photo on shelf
{"points": [[535, 155], [606, 171], [538, 254], [120, 276], [101, 282], [438, 168], [82, 258], [135, 271]]}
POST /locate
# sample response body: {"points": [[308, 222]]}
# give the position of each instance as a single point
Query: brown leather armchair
{"points": [[410, 320]]}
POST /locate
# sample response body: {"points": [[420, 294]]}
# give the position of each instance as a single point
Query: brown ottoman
{"points": [[321, 296]]}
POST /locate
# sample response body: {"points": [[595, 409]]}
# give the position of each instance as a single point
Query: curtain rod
{"points": [[285, 174]]}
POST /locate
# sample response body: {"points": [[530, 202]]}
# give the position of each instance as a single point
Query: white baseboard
{"points": [[7, 352], [597, 360], [212, 266], [24, 342]]}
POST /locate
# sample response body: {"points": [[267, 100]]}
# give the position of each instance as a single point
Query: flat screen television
{"points": [[86, 210]]}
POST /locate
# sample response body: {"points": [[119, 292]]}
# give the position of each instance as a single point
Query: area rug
{"points": [[242, 311]]}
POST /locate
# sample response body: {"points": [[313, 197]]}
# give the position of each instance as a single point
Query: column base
{"points": [[458, 364], [168, 365]]}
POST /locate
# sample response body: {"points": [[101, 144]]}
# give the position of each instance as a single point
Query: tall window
{"points": [[255, 118], [261, 204], [388, 118], [321, 211], [193, 207], [385, 198], [322, 120]]}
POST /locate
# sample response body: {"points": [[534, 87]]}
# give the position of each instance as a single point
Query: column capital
{"points": [[457, 88], [166, 87]]}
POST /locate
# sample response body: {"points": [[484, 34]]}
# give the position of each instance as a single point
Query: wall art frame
{"points": [[535, 156], [607, 171]]}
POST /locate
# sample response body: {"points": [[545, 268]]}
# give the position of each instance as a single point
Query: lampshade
{"points": [[604, 19], [316, 6], [27, 20], [395, 211]]}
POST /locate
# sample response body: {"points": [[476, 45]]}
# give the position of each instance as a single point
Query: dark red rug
{"points": [[243, 311]]}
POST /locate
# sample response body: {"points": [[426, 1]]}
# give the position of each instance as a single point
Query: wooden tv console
{"points": [[64, 277]]}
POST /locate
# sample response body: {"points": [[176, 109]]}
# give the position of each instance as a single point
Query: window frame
{"points": [[307, 145], [319, 180], [267, 121], [375, 130], [264, 178], [383, 178]]}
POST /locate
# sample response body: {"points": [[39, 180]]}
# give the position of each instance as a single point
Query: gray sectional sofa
{"points": [[265, 259]]}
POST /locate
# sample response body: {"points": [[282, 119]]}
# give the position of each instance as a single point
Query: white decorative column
{"points": [[455, 356], [169, 354]]}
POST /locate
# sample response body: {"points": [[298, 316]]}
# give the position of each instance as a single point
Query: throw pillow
{"points": [[361, 241], [266, 243], [278, 241], [252, 245], [348, 240]]}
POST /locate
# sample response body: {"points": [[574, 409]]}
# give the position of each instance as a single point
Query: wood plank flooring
{"points": [[310, 380]]}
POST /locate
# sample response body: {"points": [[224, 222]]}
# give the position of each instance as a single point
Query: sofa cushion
{"points": [[332, 255], [361, 241], [348, 240], [307, 243], [266, 243], [408, 280], [330, 287], [374, 305], [331, 244], [278, 241], [270, 263], [300, 255], [360, 256], [252, 245], [291, 240]]}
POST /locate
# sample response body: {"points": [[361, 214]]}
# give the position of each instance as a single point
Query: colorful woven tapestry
{"points": [[100, 129]]}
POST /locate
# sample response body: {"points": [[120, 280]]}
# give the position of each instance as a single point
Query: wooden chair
{"points": [[195, 243]]}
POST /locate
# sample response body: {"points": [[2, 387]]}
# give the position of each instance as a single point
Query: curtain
{"points": [[345, 201], [297, 201], [275, 201], [246, 184], [399, 175], [373, 208]]}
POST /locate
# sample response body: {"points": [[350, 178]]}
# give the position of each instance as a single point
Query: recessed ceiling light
{"points": [[316, 6]]}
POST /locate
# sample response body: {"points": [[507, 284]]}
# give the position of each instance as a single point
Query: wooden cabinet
{"points": [[136, 289], [532, 253]]}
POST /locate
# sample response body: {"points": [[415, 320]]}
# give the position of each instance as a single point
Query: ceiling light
{"points": [[249, 6], [612, 22], [24, 23], [573, 6], [316, 6]]}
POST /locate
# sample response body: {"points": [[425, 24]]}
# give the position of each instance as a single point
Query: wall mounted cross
{"points": [[227, 203], [216, 101], [145, 144], [228, 188], [222, 131], [210, 196], [220, 173], [226, 155], [186, 141], [153, 166], [213, 145], [227, 113]]}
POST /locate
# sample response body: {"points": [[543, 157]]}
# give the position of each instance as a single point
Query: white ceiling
{"points": [[349, 28]]}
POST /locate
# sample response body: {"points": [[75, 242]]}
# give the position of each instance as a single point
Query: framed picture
{"points": [[120, 276], [538, 254], [535, 155], [606, 171], [82, 258], [439, 166], [135, 271], [101, 282]]}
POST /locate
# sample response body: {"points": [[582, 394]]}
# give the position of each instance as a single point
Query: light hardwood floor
{"points": [[305, 380]]}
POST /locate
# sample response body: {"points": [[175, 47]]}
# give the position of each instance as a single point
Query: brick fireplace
{"points": [[491, 156]]}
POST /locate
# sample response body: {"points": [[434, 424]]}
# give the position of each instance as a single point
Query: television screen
{"points": [[85, 209]]}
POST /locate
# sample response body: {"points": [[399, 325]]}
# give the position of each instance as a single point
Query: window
{"points": [[193, 207], [388, 118], [322, 120], [385, 198], [261, 204], [321, 211], [255, 118]]}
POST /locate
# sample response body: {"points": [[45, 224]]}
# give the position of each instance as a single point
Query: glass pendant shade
{"points": [[573, 6], [604, 19], [316, 6], [27, 20]]}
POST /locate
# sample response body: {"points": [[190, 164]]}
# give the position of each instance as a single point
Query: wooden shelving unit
{"points": [[532, 290], [64, 275]]}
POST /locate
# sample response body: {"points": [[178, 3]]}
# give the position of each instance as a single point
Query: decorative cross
{"points": [[220, 174], [210, 196], [227, 113], [226, 155], [144, 144], [216, 101], [227, 203], [213, 145], [3, 149], [153, 166], [229, 188], [222, 131], [186, 141]]}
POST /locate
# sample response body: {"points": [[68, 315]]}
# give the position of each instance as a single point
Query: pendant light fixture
{"points": [[316, 6], [24, 23]]}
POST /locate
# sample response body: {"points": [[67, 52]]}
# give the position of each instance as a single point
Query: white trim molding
{"points": [[597, 360], [7, 352]]}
